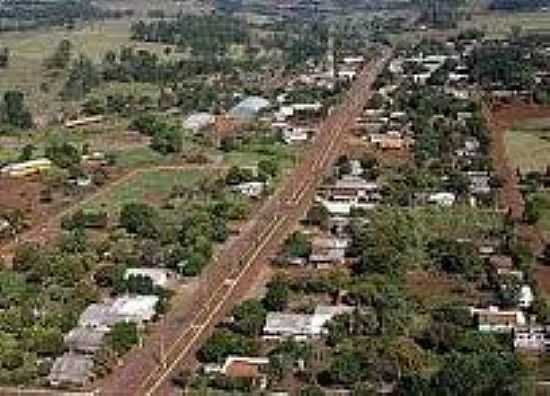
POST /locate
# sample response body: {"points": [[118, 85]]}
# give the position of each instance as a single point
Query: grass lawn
{"points": [[499, 24], [528, 144], [150, 186]]}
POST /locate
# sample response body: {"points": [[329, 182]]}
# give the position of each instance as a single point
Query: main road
{"points": [[172, 345]]}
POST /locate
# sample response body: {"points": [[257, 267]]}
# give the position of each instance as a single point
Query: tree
{"points": [[276, 298], [61, 57], [26, 152], [237, 175], [4, 57], [297, 245], [167, 140], [147, 124], [140, 219], [64, 155], [15, 112], [83, 77], [268, 167], [45, 341], [122, 337], [318, 215], [223, 343], [249, 318]]}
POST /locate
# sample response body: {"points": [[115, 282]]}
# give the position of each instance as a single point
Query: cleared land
{"points": [[528, 145]]}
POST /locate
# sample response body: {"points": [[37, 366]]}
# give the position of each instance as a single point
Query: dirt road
{"points": [[147, 371]]}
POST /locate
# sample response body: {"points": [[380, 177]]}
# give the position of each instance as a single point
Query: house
{"points": [[198, 121], [71, 369], [501, 262], [349, 187], [98, 316], [301, 326], [249, 108], [493, 320], [443, 199], [84, 339], [280, 325], [160, 277], [293, 135], [307, 107], [253, 189], [479, 182], [526, 297], [343, 207], [103, 316], [83, 121], [347, 75], [532, 338], [351, 60], [27, 168], [251, 368], [391, 140], [327, 252], [138, 309]]}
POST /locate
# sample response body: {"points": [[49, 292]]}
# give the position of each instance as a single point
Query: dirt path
{"points": [[510, 198]]}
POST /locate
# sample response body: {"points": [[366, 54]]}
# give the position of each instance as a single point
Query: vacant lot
{"points": [[147, 186], [528, 144], [500, 24]]}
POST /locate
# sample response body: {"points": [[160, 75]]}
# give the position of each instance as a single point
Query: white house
{"points": [[196, 122], [301, 326], [104, 316], [526, 296], [253, 189], [444, 199], [532, 338]]}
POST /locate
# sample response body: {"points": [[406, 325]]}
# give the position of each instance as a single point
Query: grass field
{"points": [[150, 186], [528, 144], [499, 24], [28, 50]]}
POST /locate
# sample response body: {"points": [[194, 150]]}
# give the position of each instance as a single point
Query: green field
{"points": [[500, 24], [148, 186], [528, 144]]}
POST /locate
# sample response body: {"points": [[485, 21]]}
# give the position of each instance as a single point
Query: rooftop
{"points": [[72, 369]]}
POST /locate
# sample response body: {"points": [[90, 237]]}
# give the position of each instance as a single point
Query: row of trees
{"points": [[204, 35]]}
